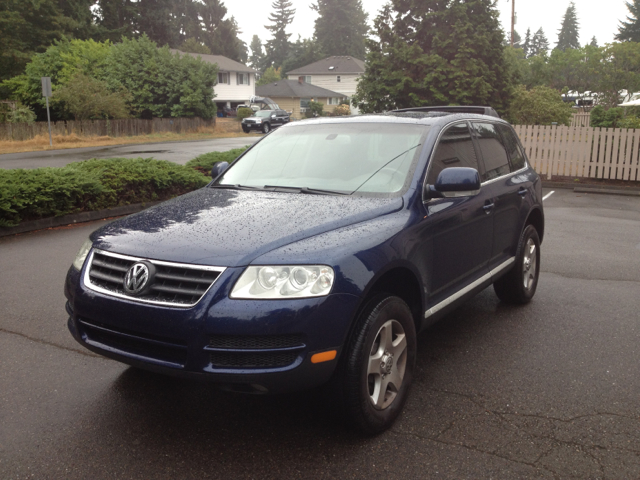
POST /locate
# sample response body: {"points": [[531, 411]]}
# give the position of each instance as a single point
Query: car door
{"points": [[504, 176], [456, 233]]}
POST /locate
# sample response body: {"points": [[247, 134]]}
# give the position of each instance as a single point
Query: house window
{"points": [[338, 79], [223, 77], [304, 104], [334, 101], [305, 78], [243, 78]]}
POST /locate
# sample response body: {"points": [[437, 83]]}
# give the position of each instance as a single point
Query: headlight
{"points": [[82, 254], [258, 120], [292, 281]]}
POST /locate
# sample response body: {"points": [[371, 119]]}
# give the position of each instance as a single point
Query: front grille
{"points": [[245, 342], [253, 359], [127, 342], [254, 351], [173, 284]]}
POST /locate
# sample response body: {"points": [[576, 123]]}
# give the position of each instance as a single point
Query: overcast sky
{"points": [[596, 17]]}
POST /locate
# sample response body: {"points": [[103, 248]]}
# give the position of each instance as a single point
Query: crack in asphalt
{"points": [[50, 344]]}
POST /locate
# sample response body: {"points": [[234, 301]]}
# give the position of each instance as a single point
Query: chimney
{"points": [[300, 80]]}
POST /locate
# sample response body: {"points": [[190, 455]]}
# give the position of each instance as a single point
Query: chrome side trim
{"points": [[505, 176], [468, 288], [87, 279]]}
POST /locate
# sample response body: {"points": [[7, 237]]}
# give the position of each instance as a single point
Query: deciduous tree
{"points": [[87, 98]]}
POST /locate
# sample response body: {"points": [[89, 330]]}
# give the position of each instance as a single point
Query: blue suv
{"points": [[317, 256]]}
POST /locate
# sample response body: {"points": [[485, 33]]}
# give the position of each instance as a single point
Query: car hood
{"points": [[232, 227]]}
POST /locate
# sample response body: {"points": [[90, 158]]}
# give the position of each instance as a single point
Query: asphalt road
{"points": [[549, 390], [178, 152]]}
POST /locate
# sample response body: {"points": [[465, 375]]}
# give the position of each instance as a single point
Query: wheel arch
{"points": [[536, 218]]}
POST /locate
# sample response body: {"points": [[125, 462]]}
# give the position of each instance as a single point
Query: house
{"points": [[294, 96], [339, 74], [236, 82]]}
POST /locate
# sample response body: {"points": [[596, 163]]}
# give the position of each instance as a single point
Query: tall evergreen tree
{"points": [[341, 27], [539, 44], [526, 46], [157, 20], [221, 34], [116, 18], [256, 58], [629, 31], [517, 39], [27, 28], [302, 52], [568, 35], [435, 52], [278, 46], [594, 42]]}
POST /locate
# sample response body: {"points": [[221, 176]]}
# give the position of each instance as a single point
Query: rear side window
{"points": [[455, 149], [496, 162], [513, 148]]}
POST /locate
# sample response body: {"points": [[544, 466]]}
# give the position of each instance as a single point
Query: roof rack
{"points": [[453, 109]]}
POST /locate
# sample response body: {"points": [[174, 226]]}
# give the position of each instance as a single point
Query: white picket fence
{"points": [[608, 153]]}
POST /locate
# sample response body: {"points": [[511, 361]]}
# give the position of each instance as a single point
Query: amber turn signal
{"points": [[324, 356]]}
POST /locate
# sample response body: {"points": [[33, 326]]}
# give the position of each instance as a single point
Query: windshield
{"points": [[339, 157], [263, 113]]}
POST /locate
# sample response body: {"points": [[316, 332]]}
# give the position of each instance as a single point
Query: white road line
{"points": [[548, 195]]}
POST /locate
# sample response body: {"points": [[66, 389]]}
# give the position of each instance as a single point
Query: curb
{"points": [[74, 218], [591, 188]]}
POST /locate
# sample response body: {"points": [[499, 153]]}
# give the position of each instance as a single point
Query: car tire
{"points": [[378, 364], [246, 130], [266, 127], [519, 285]]}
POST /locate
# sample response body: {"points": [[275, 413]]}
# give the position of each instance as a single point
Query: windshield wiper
{"points": [[312, 191], [237, 186]]}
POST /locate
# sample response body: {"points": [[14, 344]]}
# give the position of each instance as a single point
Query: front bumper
{"points": [[252, 126], [261, 346]]}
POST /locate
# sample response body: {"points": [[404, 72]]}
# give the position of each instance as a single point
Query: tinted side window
{"points": [[455, 149], [513, 148], [496, 162]]}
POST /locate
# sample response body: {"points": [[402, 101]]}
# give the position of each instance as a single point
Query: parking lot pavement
{"points": [[178, 152], [549, 390]]}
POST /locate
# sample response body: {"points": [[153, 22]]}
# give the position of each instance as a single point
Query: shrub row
{"points": [[205, 162], [90, 185]]}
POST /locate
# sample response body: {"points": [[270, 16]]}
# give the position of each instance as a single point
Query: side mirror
{"points": [[455, 182], [218, 169]]}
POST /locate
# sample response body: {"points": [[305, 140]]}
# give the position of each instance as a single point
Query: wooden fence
{"points": [[608, 153], [97, 128], [582, 119]]}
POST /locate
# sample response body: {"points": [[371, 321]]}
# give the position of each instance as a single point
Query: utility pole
{"points": [[513, 19]]}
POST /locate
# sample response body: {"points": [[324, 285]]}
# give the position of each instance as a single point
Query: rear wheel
{"points": [[265, 128], [519, 285], [379, 365]]}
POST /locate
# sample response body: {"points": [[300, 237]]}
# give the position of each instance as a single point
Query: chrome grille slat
{"points": [[175, 284]]}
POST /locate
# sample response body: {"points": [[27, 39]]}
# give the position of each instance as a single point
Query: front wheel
{"points": [[246, 130], [519, 285], [265, 128], [379, 365]]}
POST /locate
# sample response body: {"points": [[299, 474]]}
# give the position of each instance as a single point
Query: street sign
{"points": [[46, 86]]}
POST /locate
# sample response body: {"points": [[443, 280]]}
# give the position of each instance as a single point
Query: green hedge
{"points": [[90, 185], [206, 161]]}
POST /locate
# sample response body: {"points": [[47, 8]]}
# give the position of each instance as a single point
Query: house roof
{"points": [[224, 64], [294, 89], [341, 65]]}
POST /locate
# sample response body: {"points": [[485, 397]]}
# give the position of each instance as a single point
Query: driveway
{"points": [[178, 152], [549, 390]]}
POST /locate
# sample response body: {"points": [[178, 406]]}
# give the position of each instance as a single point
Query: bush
{"points": [[90, 185], [314, 109], [616, 117], [205, 162], [244, 112], [21, 114], [538, 106], [342, 110]]}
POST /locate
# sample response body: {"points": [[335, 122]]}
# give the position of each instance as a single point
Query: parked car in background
{"points": [[265, 120], [317, 257]]}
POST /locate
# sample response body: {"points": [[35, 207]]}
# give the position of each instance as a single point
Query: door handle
{"points": [[488, 207], [522, 191]]}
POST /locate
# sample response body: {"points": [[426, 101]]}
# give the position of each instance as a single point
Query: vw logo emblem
{"points": [[136, 279]]}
